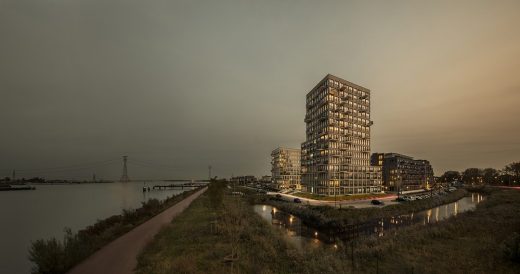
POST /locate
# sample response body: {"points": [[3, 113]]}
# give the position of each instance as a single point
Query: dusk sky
{"points": [[180, 85]]}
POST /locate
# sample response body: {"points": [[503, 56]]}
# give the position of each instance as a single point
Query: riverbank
{"points": [[482, 241], [220, 233], [207, 239], [120, 256], [54, 256]]}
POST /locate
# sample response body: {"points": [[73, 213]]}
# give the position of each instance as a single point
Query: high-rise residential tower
{"points": [[336, 153], [286, 168]]}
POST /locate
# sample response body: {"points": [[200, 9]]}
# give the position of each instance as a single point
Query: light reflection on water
{"points": [[302, 236]]}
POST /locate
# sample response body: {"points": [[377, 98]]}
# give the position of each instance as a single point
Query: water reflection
{"points": [[303, 236], [295, 231]]}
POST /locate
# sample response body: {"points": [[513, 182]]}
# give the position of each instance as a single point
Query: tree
{"points": [[490, 176], [513, 169], [450, 176], [472, 176]]}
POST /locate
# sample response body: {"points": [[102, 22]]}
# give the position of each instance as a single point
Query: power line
{"points": [[151, 165], [83, 165]]}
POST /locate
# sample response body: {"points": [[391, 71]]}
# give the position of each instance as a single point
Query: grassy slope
{"points": [[470, 243], [189, 246]]}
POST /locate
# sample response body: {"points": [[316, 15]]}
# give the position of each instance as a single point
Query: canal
{"points": [[303, 236], [45, 212]]}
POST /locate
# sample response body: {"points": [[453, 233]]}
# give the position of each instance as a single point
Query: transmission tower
{"points": [[124, 177]]}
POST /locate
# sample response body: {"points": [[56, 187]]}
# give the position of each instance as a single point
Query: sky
{"points": [[180, 85]]}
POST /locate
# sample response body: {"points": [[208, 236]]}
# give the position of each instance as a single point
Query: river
{"points": [[45, 212], [303, 236]]}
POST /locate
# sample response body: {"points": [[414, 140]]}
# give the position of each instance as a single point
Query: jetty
{"points": [[181, 186], [15, 187]]}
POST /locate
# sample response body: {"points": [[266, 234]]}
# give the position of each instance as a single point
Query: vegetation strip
{"points": [[219, 233], [486, 240], [54, 256]]}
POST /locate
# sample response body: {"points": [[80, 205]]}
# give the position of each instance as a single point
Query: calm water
{"points": [[43, 213], [303, 236]]}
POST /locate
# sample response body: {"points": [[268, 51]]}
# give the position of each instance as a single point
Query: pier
{"points": [[181, 186]]}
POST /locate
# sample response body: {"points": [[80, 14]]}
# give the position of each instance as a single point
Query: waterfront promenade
{"points": [[120, 256]]}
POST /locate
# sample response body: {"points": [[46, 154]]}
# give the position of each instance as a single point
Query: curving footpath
{"points": [[120, 255], [355, 203]]}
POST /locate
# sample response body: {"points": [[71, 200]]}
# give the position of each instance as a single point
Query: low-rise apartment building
{"points": [[403, 173]]}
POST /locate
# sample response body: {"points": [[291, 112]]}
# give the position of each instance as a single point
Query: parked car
{"points": [[376, 202], [297, 200]]}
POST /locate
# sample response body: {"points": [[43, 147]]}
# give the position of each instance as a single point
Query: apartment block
{"points": [[403, 173], [336, 152], [286, 168]]}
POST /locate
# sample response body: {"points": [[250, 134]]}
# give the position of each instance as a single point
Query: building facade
{"points": [[403, 173], [336, 152], [244, 180], [286, 168], [266, 179]]}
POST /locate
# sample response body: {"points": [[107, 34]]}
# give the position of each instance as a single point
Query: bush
{"points": [[48, 255], [511, 248]]}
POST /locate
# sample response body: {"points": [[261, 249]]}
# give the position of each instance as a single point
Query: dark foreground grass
{"points": [[483, 241], [200, 239]]}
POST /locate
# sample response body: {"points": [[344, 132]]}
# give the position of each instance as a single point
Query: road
{"points": [[120, 256], [388, 200]]}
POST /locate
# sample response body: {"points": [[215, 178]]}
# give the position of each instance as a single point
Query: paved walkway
{"points": [[355, 203], [120, 256]]}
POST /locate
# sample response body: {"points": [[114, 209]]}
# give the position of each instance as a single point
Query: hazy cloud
{"points": [[180, 85]]}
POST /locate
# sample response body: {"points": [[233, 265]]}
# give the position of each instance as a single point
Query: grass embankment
{"points": [[54, 256], [481, 241], [220, 233], [340, 197]]}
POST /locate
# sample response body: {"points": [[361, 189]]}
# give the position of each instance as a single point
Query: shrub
{"points": [[48, 255], [511, 248]]}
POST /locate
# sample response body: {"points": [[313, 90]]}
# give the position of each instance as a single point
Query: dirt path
{"points": [[120, 256]]}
